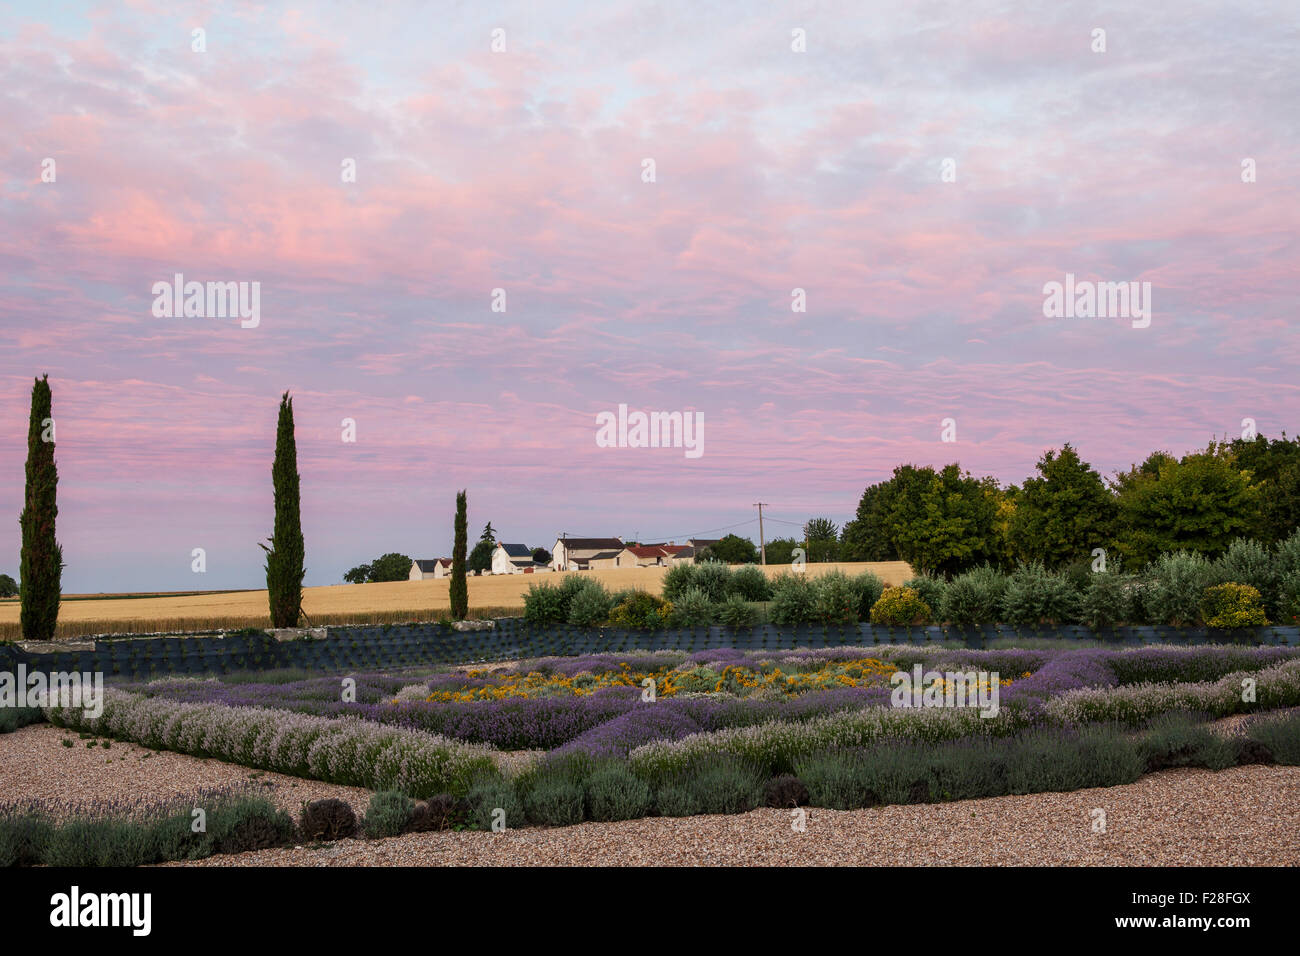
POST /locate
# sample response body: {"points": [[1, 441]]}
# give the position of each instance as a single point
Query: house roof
{"points": [[516, 550], [676, 549], [428, 564], [649, 551], [599, 555], [591, 544]]}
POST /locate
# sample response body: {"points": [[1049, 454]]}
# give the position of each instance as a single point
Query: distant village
{"points": [[575, 554]]}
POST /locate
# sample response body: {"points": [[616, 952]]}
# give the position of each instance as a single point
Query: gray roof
{"points": [[428, 564], [517, 550], [592, 544]]}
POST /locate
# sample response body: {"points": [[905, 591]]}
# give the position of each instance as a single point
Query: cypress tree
{"points": [[459, 589], [41, 563], [284, 558]]}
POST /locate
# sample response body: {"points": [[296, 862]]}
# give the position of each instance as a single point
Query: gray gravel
{"points": [[1245, 816]]}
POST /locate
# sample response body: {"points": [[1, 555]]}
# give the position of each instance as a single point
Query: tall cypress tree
{"points": [[284, 558], [459, 589], [41, 564]]}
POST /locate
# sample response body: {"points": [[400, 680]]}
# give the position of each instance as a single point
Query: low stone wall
{"points": [[335, 649]]}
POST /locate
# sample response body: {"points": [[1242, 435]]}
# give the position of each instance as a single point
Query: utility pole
{"points": [[762, 545]]}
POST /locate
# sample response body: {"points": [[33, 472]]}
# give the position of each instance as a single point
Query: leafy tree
{"points": [[733, 549], [942, 521], [781, 550], [390, 567], [40, 563], [822, 536], [1064, 513], [358, 575], [541, 556], [459, 589], [480, 559], [1275, 467], [865, 538], [1199, 504], [284, 559], [8, 586]]}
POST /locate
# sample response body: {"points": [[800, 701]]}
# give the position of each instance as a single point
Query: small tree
{"points": [[541, 556], [8, 586], [284, 558], [489, 534], [822, 537], [480, 559], [40, 568], [358, 575], [391, 567], [459, 589], [733, 549]]}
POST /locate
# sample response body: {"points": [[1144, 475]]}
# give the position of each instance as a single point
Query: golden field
{"points": [[391, 602]]}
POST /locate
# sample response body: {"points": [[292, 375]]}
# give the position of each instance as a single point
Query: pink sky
{"points": [[522, 170]]}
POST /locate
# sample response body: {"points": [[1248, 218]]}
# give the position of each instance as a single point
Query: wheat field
{"points": [[391, 602]]}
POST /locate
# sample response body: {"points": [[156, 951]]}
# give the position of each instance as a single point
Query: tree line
{"points": [[946, 520]]}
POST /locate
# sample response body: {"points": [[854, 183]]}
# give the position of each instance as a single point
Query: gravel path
{"points": [[1245, 816], [34, 764]]}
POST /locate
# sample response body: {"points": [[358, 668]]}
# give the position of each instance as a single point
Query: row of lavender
{"points": [[615, 720]]}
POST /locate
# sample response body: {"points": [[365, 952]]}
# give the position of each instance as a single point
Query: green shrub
{"points": [[1099, 756], [1232, 605], [794, 599], [1175, 586], [737, 613], [637, 609], [1288, 600], [930, 590], [1181, 739], [693, 608], [590, 605], [1249, 562], [544, 604], [679, 579], [1279, 735], [974, 599], [24, 835], [714, 579], [253, 823], [676, 800], [554, 801], [1035, 596], [1107, 600], [900, 606], [11, 718], [750, 583], [869, 588], [613, 793], [727, 786], [486, 798], [390, 814], [837, 599]]}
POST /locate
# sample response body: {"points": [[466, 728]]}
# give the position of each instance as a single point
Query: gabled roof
{"points": [[428, 564], [591, 544], [516, 550], [649, 551]]}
